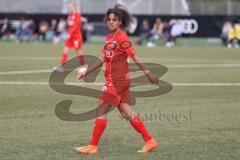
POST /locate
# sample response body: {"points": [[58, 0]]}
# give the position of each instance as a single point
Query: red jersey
{"points": [[74, 24], [116, 51]]}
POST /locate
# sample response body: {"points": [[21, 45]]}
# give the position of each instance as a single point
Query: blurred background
{"points": [[156, 22]]}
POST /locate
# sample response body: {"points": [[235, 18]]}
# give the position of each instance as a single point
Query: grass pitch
{"points": [[198, 119]]}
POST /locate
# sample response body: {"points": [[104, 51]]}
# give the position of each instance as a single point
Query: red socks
{"points": [[64, 58], [81, 59], [138, 125], [99, 127]]}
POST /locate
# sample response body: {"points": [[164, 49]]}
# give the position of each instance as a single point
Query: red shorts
{"points": [[115, 94], [74, 42]]}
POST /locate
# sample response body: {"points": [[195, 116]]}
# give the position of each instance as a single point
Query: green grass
{"points": [[30, 130]]}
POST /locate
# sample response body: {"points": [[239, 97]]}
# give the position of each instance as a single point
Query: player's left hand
{"points": [[68, 36], [152, 78]]}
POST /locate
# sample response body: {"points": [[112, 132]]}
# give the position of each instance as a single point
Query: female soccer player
{"points": [[116, 92], [74, 36]]}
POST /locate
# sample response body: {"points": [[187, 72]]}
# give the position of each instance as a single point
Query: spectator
{"points": [[29, 30], [43, 28], [175, 32], [237, 34], [157, 30], [166, 31], [20, 30], [51, 33], [234, 35], [225, 30], [5, 28], [61, 30], [231, 35], [144, 32]]}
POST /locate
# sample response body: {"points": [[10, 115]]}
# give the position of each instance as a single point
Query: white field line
{"points": [[45, 83], [203, 65], [168, 66], [190, 60], [26, 72], [206, 84], [203, 84], [144, 59], [28, 58]]}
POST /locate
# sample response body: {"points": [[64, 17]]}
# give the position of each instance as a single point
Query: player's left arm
{"points": [[152, 77]]}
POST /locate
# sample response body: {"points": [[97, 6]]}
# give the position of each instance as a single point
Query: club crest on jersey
{"points": [[109, 48], [110, 45], [70, 22]]}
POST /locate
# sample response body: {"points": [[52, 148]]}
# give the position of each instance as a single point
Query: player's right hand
{"points": [[81, 73], [80, 77]]}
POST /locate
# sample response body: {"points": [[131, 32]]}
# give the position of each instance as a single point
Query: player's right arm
{"points": [[97, 64]]}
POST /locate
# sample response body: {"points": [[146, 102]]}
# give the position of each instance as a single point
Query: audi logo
{"points": [[190, 26]]}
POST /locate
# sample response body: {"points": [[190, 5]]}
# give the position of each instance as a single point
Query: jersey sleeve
{"points": [[126, 46]]}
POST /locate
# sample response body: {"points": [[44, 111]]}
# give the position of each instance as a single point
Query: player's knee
{"points": [[128, 116], [102, 117], [125, 116], [65, 49], [79, 52]]}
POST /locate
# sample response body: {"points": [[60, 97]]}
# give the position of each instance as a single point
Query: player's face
{"points": [[72, 8], [113, 22]]}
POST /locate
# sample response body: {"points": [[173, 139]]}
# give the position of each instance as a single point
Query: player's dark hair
{"points": [[123, 15]]}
